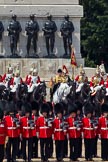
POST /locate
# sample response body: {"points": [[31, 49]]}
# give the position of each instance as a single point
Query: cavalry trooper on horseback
{"points": [[81, 79], [96, 81], [34, 80], [16, 80], [7, 77], [29, 76]]}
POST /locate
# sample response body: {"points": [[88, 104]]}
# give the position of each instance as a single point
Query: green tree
{"points": [[94, 30]]}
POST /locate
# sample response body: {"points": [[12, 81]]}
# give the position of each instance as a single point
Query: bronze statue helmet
{"points": [[32, 16], [66, 17], [14, 16], [49, 17]]}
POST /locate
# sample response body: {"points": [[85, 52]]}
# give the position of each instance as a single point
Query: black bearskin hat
{"points": [[50, 106], [58, 108], [78, 105], [18, 105], [1, 113], [88, 108], [10, 107], [26, 108], [104, 107], [72, 108], [35, 105], [45, 108]]}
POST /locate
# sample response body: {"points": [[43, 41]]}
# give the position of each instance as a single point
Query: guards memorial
{"points": [[42, 8]]}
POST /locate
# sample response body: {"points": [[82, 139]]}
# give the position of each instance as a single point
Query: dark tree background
{"points": [[94, 32]]}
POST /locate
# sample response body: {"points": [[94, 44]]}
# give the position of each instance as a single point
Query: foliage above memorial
{"points": [[94, 30]]}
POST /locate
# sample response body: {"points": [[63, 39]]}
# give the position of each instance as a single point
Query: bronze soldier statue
{"points": [[1, 30], [66, 32], [32, 29], [14, 30], [49, 29]]}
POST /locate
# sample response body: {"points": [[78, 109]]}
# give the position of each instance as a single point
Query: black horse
{"points": [[2, 89], [38, 93]]}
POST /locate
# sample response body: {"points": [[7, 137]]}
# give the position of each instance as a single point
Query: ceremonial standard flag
{"points": [[73, 59]]}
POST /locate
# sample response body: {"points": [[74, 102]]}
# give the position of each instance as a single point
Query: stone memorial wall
{"points": [[42, 8]]}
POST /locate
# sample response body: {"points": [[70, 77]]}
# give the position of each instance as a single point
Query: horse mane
{"points": [[56, 86]]}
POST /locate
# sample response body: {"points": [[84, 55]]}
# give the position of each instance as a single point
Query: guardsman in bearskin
{"points": [[50, 121], [81, 79], [43, 132], [60, 128], [12, 126], [27, 125], [8, 77], [65, 116], [74, 132], [35, 115], [19, 115], [16, 80], [103, 132], [29, 76], [95, 119], [88, 131], [2, 135], [79, 116]]}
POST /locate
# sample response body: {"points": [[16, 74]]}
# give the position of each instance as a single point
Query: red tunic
{"points": [[103, 127], [74, 130], [12, 127], [16, 80], [88, 129], [59, 134], [26, 128], [43, 128], [28, 79], [2, 133]]}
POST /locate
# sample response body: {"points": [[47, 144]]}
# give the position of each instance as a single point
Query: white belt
{"points": [[88, 128], [44, 127], [58, 130], [12, 128], [2, 135], [26, 127], [104, 128], [72, 128]]}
